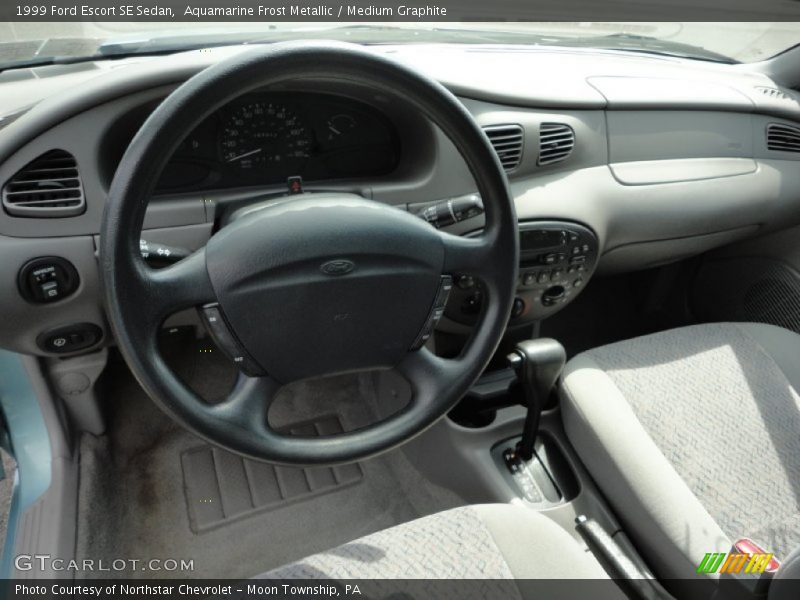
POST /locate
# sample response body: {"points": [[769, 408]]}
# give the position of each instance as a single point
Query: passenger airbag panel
{"points": [[663, 135]]}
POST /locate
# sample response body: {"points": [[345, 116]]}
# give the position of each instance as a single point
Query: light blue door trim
{"points": [[30, 444]]}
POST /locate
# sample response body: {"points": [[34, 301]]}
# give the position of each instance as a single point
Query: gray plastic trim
{"points": [[671, 134], [23, 321], [80, 135], [74, 381], [781, 68], [623, 92], [645, 255], [676, 170]]}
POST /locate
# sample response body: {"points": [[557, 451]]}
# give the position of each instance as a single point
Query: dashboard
{"points": [[265, 138], [617, 163]]}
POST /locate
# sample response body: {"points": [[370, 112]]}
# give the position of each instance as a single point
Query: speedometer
{"points": [[263, 134]]}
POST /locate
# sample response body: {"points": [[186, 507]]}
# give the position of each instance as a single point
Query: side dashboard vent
{"points": [[556, 141], [783, 138], [507, 141], [49, 186]]}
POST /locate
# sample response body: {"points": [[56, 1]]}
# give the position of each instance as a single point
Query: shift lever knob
{"points": [[539, 364]]}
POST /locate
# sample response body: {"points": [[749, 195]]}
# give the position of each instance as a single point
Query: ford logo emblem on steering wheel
{"points": [[337, 267]]}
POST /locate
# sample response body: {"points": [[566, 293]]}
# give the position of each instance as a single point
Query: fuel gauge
{"points": [[339, 126]]}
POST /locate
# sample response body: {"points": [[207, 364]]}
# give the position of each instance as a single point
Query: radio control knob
{"points": [[553, 295], [517, 308]]}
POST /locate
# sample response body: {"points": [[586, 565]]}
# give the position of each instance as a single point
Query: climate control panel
{"points": [[557, 258]]}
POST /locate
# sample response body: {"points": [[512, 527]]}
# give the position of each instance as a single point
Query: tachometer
{"points": [[263, 134]]}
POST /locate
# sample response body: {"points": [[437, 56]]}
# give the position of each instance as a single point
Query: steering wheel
{"points": [[309, 287]]}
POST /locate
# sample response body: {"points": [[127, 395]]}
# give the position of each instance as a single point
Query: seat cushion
{"points": [[491, 541], [693, 435]]}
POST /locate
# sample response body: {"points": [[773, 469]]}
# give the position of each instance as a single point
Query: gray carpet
{"points": [[134, 503]]}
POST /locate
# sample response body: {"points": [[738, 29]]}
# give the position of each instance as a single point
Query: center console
{"points": [[557, 258]]}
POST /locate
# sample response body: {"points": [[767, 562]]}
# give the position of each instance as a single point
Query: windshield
{"points": [[32, 43]]}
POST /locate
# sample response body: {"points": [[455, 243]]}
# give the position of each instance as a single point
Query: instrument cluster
{"points": [[267, 138]]}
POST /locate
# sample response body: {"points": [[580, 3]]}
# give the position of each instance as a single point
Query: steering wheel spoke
{"points": [[182, 285], [248, 402], [420, 365], [425, 372], [468, 255]]}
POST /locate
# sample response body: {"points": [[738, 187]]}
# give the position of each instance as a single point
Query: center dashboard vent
{"points": [[49, 186], [507, 141], [783, 138], [556, 141]]}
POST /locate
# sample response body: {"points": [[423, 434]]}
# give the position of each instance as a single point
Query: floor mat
{"points": [[133, 497], [221, 486]]}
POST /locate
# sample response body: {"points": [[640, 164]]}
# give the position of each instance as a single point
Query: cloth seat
{"points": [[489, 541], [693, 435]]}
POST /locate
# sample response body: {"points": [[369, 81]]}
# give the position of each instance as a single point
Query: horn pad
{"points": [[318, 286]]}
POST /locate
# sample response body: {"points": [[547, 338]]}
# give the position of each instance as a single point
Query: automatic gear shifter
{"points": [[539, 364]]}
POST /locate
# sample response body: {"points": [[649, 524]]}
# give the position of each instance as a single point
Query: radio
{"points": [[534, 241], [557, 258]]}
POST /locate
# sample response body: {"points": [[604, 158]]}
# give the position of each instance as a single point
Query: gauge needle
{"points": [[334, 130], [256, 151]]}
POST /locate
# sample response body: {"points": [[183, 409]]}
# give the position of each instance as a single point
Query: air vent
{"points": [[556, 141], [783, 138], [50, 186], [507, 142]]}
